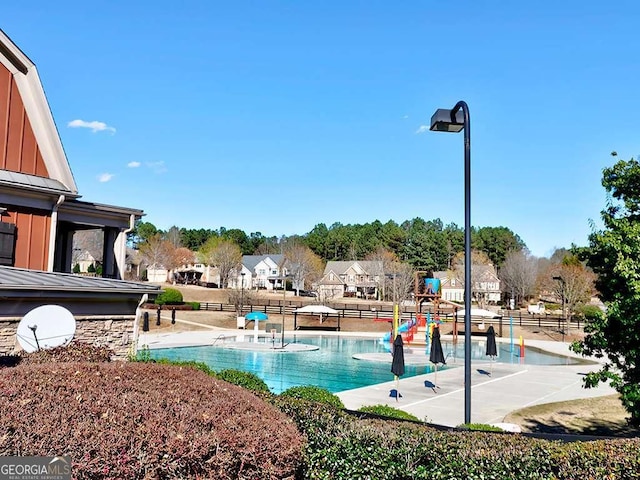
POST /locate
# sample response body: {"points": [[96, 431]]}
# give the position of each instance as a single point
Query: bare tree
{"points": [[90, 241], [182, 256], [157, 252], [173, 236], [479, 284], [518, 274], [223, 254], [572, 284], [399, 281], [302, 264], [382, 262]]}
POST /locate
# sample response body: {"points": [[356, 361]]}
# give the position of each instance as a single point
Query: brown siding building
{"points": [[39, 203]]}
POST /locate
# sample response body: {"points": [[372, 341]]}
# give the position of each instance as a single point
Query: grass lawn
{"points": [[601, 416]]}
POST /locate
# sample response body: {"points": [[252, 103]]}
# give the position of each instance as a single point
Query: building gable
{"points": [[29, 140]]}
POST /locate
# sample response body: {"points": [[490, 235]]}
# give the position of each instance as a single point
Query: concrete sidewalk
{"points": [[509, 387]]}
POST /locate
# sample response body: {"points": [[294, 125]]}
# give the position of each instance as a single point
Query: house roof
{"points": [[33, 182], [326, 279], [251, 261], [340, 267]]}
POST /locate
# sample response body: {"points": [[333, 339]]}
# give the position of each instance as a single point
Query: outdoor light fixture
{"points": [[446, 121], [455, 120], [564, 317]]}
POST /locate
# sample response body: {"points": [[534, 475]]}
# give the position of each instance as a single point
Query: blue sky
{"points": [[275, 116]]}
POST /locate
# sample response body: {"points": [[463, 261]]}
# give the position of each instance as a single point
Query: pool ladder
{"points": [[222, 337]]}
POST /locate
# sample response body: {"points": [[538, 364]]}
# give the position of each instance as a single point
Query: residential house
{"points": [[452, 287], [257, 271], [265, 271], [486, 284], [485, 289], [358, 278]]}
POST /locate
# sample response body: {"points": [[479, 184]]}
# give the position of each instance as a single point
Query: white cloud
{"points": [[133, 164], [105, 177], [157, 167], [406, 116], [95, 126], [422, 129]]}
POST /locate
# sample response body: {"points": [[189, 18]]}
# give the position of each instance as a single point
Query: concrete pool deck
{"points": [[509, 387]]}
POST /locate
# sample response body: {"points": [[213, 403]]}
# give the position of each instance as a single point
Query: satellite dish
{"points": [[45, 327]]}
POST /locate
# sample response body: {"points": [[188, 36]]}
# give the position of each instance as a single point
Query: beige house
{"points": [[452, 287], [359, 278], [485, 289]]}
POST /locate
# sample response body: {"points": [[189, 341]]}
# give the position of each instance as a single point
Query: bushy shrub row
{"points": [[340, 446], [247, 380], [76, 351], [170, 296], [390, 412], [144, 420], [314, 394]]}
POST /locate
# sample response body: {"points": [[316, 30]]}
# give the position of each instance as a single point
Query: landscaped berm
{"points": [[146, 420]]}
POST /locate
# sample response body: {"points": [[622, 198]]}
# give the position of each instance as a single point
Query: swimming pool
{"points": [[332, 365]]}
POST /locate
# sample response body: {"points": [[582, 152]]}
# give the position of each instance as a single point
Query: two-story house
{"points": [[485, 288], [265, 271], [359, 278]]}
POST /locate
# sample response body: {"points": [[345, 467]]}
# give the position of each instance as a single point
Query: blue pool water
{"points": [[333, 367]]}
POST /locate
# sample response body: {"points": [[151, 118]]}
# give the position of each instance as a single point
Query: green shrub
{"points": [[314, 394], [76, 268], [170, 296], [246, 380], [480, 427], [387, 411], [194, 305], [203, 367], [589, 312], [91, 268]]}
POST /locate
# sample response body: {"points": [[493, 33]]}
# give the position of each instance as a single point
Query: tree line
{"points": [[425, 245]]}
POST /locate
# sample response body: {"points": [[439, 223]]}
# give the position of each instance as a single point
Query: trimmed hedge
{"points": [[387, 411], [170, 296], [247, 380], [76, 351], [314, 394], [142, 421], [340, 446]]}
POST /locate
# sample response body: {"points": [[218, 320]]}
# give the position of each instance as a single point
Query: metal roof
{"points": [[20, 279], [33, 182]]}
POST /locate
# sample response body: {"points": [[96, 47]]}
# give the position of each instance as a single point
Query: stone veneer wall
{"points": [[116, 332]]}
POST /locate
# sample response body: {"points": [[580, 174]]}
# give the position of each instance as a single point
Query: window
{"points": [[262, 271], [274, 272], [7, 243]]}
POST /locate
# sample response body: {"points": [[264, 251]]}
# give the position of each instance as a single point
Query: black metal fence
{"points": [[378, 311]]}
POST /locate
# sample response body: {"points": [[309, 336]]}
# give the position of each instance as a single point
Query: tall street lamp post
{"points": [[455, 120], [564, 318], [242, 274]]}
